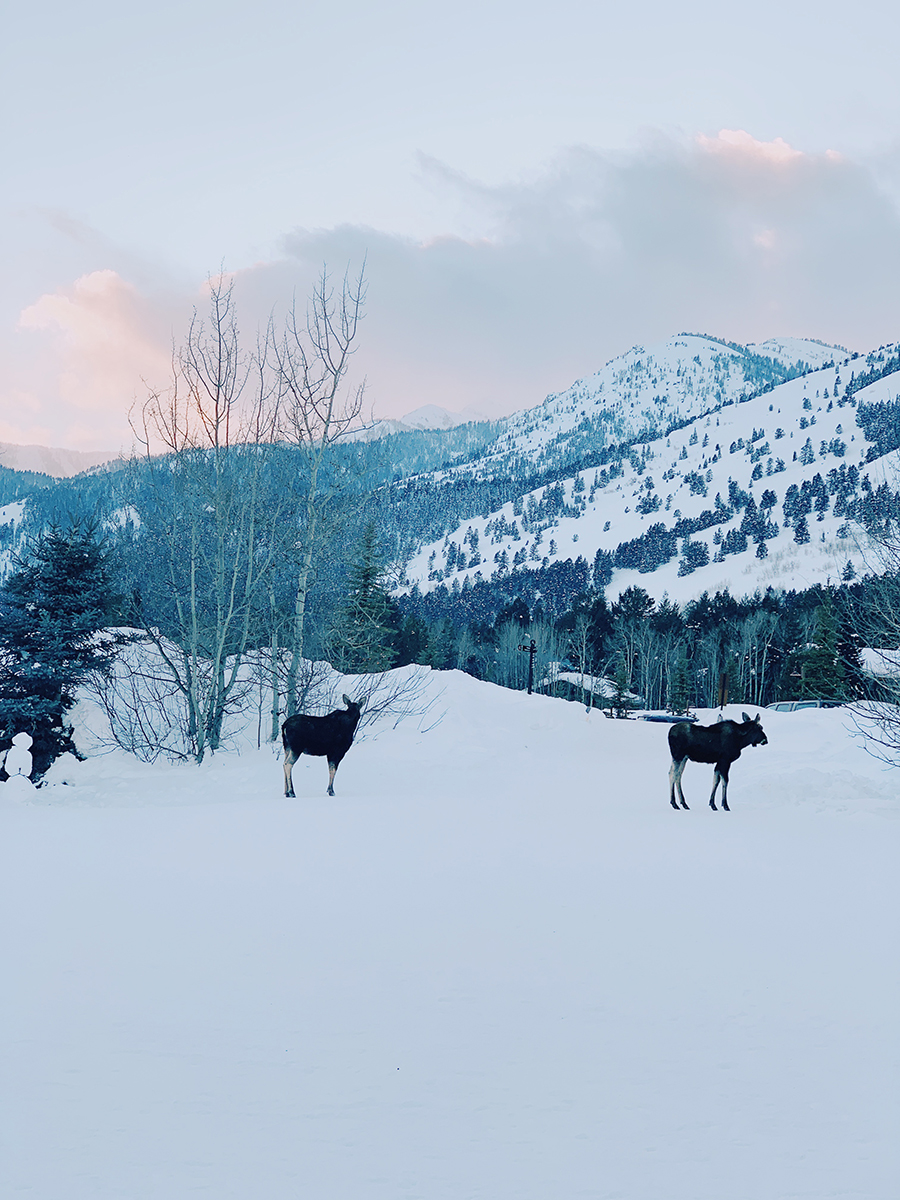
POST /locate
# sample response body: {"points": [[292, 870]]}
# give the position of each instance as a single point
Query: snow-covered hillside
{"points": [[428, 416], [693, 484], [497, 964], [52, 460], [651, 387], [10, 519]]}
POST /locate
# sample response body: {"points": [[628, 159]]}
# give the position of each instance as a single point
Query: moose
{"points": [[329, 736], [721, 744]]}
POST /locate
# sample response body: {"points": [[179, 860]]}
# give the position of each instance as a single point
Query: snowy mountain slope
{"points": [[802, 434], [11, 514], [428, 416], [51, 460], [647, 388], [432, 416], [790, 351], [495, 965], [10, 518]]}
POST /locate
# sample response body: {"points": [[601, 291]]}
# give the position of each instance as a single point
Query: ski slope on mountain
{"points": [[647, 386], [496, 964], [776, 440]]}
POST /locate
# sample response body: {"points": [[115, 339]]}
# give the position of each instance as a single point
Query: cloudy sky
{"points": [[533, 189]]}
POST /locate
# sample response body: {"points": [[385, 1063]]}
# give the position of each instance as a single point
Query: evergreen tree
{"points": [[620, 702], [693, 556], [440, 647], [601, 628], [412, 641], [822, 670], [366, 635], [680, 684], [52, 607]]}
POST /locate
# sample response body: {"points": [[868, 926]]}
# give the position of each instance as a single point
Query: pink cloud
{"points": [[740, 143], [102, 344], [727, 234]]}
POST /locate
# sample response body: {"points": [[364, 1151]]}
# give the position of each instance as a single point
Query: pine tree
{"points": [[822, 669], [366, 635], [680, 684], [51, 608], [621, 700], [440, 646]]}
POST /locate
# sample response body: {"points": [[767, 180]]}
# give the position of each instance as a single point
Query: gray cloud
{"points": [[558, 273], [729, 236]]}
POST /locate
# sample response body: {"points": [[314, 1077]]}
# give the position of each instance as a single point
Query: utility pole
{"points": [[531, 649]]}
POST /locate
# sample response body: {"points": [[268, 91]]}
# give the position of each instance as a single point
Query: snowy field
{"points": [[496, 965]]}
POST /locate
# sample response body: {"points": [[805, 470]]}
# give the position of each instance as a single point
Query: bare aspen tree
{"points": [[316, 408], [757, 636], [204, 442], [876, 623], [580, 650]]}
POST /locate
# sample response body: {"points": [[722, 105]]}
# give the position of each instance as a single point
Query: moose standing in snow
{"points": [[329, 736], [721, 744]]}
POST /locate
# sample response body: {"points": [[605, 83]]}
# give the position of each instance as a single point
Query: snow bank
{"points": [[497, 964]]}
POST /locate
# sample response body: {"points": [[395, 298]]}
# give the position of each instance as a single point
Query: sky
{"points": [[531, 191]]}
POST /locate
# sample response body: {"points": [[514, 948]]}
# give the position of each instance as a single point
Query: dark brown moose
{"points": [[721, 744], [329, 736]]}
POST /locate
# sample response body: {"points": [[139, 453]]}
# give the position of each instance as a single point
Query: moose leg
{"points": [[675, 772], [712, 799], [289, 759], [723, 771], [332, 769]]}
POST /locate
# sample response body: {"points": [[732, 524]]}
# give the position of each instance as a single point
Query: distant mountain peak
{"points": [[686, 466], [52, 460]]}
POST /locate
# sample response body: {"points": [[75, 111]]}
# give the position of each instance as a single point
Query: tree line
{"points": [[246, 540]]}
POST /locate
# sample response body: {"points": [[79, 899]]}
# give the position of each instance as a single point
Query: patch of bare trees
{"points": [[227, 530]]}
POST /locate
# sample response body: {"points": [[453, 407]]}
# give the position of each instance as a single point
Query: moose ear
{"points": [[347, 701], [744, 715], [756, 718]]}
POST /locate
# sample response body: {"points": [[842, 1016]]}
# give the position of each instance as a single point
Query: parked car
{"points": [[794, 705], [666, 718]]}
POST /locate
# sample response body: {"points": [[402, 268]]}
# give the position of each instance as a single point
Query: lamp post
{"points": [[530, 649]]}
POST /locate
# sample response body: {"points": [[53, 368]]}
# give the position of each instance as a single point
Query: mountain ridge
{"points": [[795, 441], [55, 461]]}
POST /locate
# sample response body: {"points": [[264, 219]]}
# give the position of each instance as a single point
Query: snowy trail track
{"points": [[496, 965]]}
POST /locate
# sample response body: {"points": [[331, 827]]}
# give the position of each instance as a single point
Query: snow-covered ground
{"points": [[495, 965]]}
